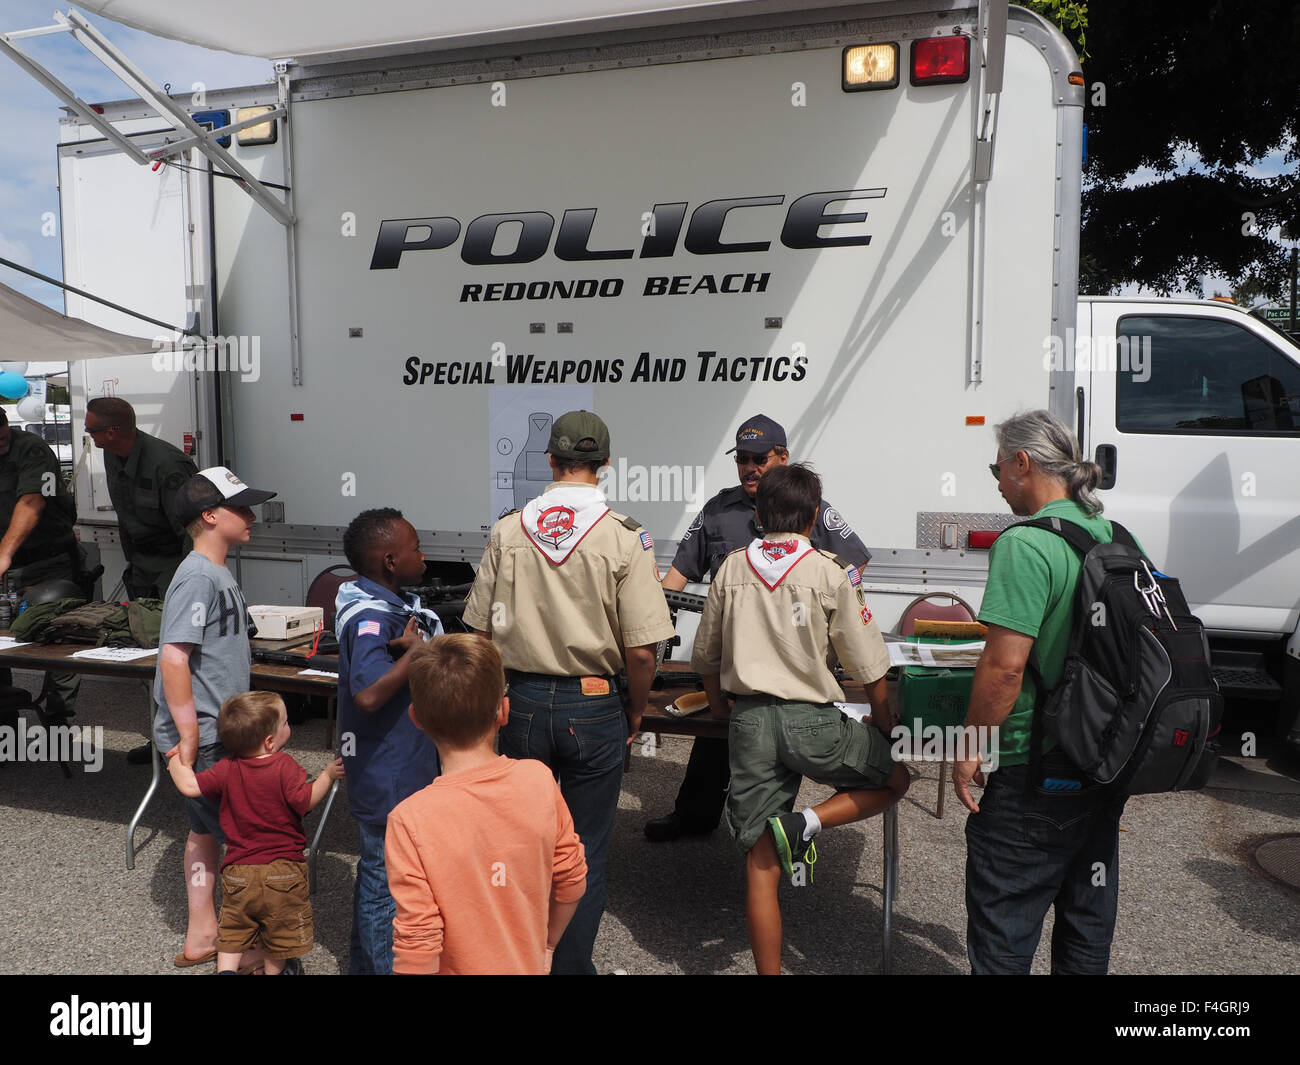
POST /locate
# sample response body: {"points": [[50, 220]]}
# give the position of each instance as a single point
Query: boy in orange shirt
{"points": [[484, 864]]}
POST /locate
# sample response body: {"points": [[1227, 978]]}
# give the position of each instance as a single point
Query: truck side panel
{"points": [[860, 349]]}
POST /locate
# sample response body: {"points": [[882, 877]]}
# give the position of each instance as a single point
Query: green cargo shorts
{"points": [[774, 745]]}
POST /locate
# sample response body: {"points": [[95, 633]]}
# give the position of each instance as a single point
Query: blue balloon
{"points": [[13, 386]]}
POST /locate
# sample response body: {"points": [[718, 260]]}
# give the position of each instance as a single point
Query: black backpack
{"points": [[1137, 707]]}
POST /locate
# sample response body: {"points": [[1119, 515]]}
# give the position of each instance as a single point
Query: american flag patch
{"points": [[368, 628], [855, 576], [647, 543]]}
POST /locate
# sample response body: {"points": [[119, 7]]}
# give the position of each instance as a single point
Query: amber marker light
{"points": [[870, 66]]}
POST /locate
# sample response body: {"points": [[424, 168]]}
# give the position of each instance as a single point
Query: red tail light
{"points": [[936, 60]]}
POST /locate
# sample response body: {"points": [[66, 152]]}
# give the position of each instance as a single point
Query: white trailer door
{"points": [[135, 238]]}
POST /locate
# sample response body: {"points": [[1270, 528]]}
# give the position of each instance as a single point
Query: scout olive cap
{"points": [[759, 434], [214, 487], [579, 435]]}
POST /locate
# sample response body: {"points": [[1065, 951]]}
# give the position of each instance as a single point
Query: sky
{"points": [[30, 116]]}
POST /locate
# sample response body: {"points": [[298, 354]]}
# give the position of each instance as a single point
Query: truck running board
{"points": [[1241, 675]]}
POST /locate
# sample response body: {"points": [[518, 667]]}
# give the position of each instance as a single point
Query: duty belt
{"points": [[27, 556], [158, 545]]}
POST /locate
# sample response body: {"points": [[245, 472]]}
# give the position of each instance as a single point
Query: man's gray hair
{"points": [[1054, 450]]}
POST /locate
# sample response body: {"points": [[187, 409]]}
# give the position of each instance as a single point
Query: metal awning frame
{"points": [[129, 74]]}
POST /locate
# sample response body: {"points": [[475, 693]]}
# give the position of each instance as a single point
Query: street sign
{"points": [[1279, 314]]}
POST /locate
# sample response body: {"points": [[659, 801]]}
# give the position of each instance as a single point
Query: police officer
{"points": [[727, 522], [38, 544], [568, 590], [143, 474]]}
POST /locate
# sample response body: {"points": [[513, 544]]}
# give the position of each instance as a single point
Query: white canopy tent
{"points": [[297, 28], [31, 331]]}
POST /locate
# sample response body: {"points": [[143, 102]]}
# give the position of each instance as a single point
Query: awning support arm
{"points": [[102, 49], [91, 296]]}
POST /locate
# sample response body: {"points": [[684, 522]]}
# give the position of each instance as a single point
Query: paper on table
{"points": [[317, 673], [936, 655], [7, 643], [857, 711], [116, 654]]}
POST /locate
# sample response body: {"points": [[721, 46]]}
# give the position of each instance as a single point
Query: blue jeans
{"points": [[582, 738], [1028, 850], [370, 952]]}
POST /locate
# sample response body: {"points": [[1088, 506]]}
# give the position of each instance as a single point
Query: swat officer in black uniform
{"points": [[38, 544], [143, 474], [727, 522]]}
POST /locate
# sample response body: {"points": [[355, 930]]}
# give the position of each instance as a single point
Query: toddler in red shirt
{"points": [[263, 794]]}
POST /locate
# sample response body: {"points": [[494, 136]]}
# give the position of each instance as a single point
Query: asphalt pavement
{"points": [[1192, 899]]}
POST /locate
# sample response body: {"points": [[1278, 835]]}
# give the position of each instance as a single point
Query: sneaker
{"points": [[791, 847]]}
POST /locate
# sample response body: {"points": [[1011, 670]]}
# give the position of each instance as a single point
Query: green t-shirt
{"points": [[1033, 576]]}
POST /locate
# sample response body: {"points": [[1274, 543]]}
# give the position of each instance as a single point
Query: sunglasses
{"points": [[995, 468], [92, 430], [744, 458]]}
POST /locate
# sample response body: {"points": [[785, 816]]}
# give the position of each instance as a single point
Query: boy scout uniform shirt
{"points": [[777, 642], [573, 619], [729, 521], [31, 468], [141, 487]]}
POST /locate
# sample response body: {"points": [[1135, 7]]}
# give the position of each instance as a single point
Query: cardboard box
{"points": [[286, 622]]}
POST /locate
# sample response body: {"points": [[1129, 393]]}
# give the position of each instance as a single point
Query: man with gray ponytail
{"points": [[1051, 839]]}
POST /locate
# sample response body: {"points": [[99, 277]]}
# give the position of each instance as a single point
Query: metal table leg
{"points": [[144, 803], [890, 832], [320, 831]]}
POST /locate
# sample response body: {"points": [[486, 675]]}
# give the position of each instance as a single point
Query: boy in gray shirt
{"points": [[203, 659]]}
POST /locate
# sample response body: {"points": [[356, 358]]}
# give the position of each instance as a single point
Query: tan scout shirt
{"points": [[778, 642], [572, 619]]}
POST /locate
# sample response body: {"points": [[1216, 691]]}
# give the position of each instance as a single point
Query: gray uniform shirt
{"points": [[205, 607]]}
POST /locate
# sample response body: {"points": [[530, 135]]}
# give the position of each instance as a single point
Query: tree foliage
{"points": [[1184, 99]]}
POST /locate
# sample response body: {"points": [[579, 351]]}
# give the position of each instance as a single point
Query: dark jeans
{"points": [[370, 949], [703, 793], [582, 739], [1028, 850]]}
